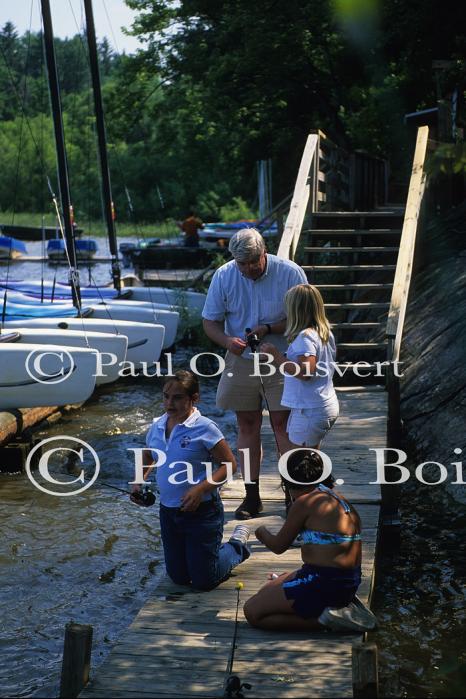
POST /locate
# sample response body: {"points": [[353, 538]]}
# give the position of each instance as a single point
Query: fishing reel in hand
{"points": [[143, 497], [252, 340]]}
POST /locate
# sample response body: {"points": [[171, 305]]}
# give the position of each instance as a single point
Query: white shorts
{"points": [[308, 426]]}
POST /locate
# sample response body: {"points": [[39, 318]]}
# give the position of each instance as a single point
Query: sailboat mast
{"points": [[62, 164], [102, 141]]}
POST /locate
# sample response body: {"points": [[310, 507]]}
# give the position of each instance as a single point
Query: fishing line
{"points": [[253, 343]]}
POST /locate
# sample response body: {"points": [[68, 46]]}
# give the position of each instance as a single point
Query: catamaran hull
{"points": [[144, 312], [39, 375], [139, 312], [163, 306], [193, 301], [106, 344], [145, 340]]}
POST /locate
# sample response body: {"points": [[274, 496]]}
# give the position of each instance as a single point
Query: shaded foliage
{"points": [[220, 85]]}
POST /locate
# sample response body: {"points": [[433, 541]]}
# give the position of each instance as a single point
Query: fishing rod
{"points": [[253, 343], [233, 685], [144, 497]]}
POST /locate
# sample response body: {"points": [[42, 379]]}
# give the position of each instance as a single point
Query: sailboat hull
{"points": [[111, 348], [40, 375], [145, 340], [139, 312]]}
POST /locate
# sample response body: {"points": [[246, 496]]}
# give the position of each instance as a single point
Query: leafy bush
{"points": [[237, 210]]}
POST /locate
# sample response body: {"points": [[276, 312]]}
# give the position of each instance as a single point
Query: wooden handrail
{"points": [[276, 209], [399, 299], [398, 305], [295, 218]]}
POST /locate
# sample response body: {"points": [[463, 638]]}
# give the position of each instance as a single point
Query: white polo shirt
{"points": [[190, 441], [244, 303]]}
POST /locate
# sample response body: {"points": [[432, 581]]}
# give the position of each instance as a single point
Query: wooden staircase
{"points": [[351, 257]]}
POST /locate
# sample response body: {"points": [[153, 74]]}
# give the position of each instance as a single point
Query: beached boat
{"points": [[188, 304], [161, 297], [33, 232], [48, 290], [145, 340], [19, 305], [173, 255], [85, 249], [34, 375], [214, 232], [10, 248], [13, 310], [112, 348]]}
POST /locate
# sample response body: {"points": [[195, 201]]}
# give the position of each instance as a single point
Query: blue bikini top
{"points": [[309, 536]]}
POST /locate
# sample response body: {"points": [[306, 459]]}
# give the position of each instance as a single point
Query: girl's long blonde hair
{"points": [[305, 309]]}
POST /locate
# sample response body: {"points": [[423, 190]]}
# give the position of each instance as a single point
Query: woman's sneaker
{"points": [[355, 617], [241, 533]]}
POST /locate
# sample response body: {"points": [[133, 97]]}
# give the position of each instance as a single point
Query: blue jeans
{"points": [[192, 545]]}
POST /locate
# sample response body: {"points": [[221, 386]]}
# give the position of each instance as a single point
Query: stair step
{"points": [[321, 232], [371, 365], [347, 268], [355, 287], [367, 372], [352, 231], [365, 325], [362, 345], [373, 388], [358, 305], [392, 213], [353, 248]]}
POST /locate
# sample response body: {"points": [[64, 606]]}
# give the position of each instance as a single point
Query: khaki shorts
{"points": [[240, 391]]}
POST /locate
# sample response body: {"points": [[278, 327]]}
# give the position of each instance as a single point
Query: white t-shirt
{"points": [[318, 391]]}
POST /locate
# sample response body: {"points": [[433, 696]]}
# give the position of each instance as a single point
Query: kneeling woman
{"points": [[331, 552], [191, 516]]}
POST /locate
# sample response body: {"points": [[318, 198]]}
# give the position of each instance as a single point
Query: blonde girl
{"points": [[308, 367]]}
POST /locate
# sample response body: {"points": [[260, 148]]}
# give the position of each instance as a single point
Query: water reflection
{"points": [[421, 599]]}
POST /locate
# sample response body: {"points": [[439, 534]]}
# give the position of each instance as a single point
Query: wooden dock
{"points": [[62, 262], [179, 643]]}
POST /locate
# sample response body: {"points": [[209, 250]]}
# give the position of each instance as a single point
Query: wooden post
{"points": [[76, 659], [391, 492], [365, 670]]}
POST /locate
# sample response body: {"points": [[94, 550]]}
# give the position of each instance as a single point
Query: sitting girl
{"points": [[331, 553]]}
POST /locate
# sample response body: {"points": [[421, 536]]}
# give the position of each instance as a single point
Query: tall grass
{"points": [[159, 229]]}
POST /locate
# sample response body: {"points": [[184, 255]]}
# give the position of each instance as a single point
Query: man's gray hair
{"points": [[246, 244]]}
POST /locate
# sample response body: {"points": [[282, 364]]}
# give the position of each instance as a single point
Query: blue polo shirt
{"points": [[191, 441]]}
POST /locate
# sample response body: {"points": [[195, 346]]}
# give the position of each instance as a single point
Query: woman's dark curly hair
{"points": [[306, 466]]}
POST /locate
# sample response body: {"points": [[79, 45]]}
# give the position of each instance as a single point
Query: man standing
{"points": [[248, 292]]}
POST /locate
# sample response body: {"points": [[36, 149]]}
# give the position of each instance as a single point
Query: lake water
{"points": [[96, 557]]}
